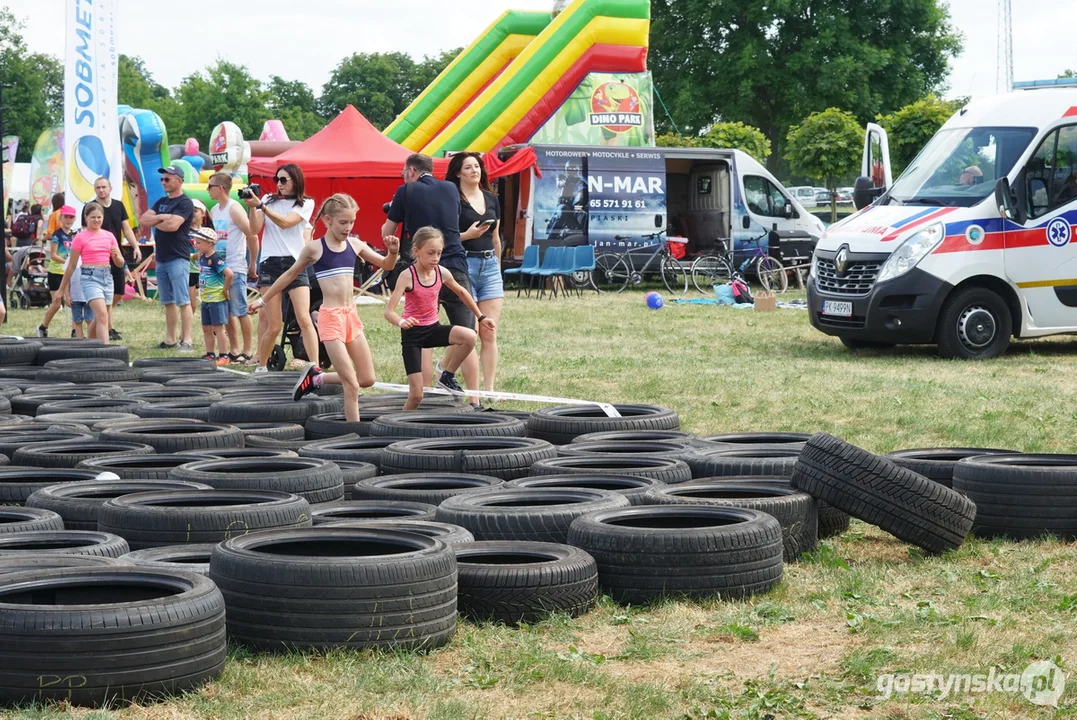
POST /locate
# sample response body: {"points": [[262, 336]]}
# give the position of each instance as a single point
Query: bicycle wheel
{"points": [[611, 273], [674, 275], [771, 274], [708, 271]]}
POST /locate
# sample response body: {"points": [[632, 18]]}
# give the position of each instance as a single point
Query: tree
{"points": [[671, 139], [738, 136], [1069, 74], [909, 128], [293, 103], [225, 92], [770, 64], [137, 88], [826, 146], [34, 102]]}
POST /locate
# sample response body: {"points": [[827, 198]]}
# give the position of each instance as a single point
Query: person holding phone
{"points": [[480, 232]]}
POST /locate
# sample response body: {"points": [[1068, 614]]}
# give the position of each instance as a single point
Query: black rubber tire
{"points": [[352, 472], [523, 582], [666, 470], [100, 636], [700, 551], [354, 448], [103, 425], [445, 532], [507, 458], [560, 424], [86, 419], [19, 372], [168, 437], [5, 405], [175, 362], [539, 515], [50, 353], [274, 431], [193, 409], [435, 425], [631, 436], [371, 509], [765, 460], [873, 489], [638, 448], [832, 521], [258, 441], [938, 463], [229, 411], [314, 480], [181, 517], [191, 558], [758, 438], [79, 503], [353, 587], [1021, 496], [164, 375], [330, 425], [91, 376], [233, 453], [86, 364], [154, 395], [95, 404], [431, 488], [795, 511], [18, 482], [979, 303], [28, 403], [139, 467], [24, 519], [18, 352], [633, 487], [63, 542], [70, 453], [28, 434], [42, 561]]}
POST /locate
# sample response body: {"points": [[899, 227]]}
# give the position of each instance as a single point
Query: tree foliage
{"points": [[770, 64], [909, 128], [826, 146], [137, 88], [224, 91], [293, 103], [733, 135], [1069, 74], [34, 102]]}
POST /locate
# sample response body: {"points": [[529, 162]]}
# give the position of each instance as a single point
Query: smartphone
{"points": [[487, 223]]}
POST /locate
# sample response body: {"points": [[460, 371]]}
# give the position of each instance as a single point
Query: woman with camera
{"points": [[285, 215]]}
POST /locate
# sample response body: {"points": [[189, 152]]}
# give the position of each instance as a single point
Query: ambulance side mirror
{"points": [[1007, 208]]}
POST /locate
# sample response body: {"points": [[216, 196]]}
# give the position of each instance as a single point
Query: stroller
{"points": [[291, 334], [30, 286]]}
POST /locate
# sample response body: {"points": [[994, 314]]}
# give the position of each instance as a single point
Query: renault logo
{"points": [[841, 260]]}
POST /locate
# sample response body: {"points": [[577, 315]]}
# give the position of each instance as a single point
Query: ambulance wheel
{"points": [[974, 324], [854, 344]]}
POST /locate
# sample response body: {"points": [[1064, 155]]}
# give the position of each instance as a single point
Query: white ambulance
{"points": [[973, 244]]}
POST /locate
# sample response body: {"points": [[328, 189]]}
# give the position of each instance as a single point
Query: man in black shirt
{"points": [[115, 222], [171, 220], [423, 201]]}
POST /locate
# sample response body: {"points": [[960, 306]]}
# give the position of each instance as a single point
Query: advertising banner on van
{"points": [[612, 109], [613, 199]]}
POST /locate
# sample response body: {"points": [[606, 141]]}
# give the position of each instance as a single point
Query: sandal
{"points": [[246, 360]]}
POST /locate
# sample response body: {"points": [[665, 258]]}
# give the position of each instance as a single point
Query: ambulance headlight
{"points": [[813, 270], [911, 252]]}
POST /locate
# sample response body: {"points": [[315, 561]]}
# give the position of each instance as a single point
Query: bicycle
{"points": [[709, 270], [614, 271]]}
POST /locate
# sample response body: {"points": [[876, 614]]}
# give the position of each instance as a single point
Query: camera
{"points": [[252, 190]]}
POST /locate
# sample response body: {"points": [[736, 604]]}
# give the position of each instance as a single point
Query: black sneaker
{"points": [[165, 346], [43, 331], [113, 335], [73, 332], [447, 381], [305, 384]]}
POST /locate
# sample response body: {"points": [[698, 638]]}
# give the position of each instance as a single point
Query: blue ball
{"points": [[654, 301]]}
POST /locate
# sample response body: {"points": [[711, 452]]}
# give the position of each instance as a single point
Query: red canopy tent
{"points": [[348, 155]]}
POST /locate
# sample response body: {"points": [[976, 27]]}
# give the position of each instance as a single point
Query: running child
{"points": [[214, 284], [95, 248], [419, 326], [59, 250], [339, 328]]}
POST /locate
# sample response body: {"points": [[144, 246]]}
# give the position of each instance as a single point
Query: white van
{"points": [[972, 245]]}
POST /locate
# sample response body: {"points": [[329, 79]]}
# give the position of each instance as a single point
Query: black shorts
{"points": [[54, 280], [455, 309], [271, 268], [119, 282], [414, 339], [192, 279]]}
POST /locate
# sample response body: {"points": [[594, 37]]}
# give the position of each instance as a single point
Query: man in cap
{"points": [[170, 219]]}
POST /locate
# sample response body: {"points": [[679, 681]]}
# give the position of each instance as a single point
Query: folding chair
{"points": [[568, 264], [583, 268], [530, 265], [551, 266]]}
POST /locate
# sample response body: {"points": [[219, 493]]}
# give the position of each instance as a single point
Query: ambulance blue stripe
{"points": [[913, 218]]}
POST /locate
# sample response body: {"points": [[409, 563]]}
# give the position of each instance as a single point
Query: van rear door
{"points": [[875, 162]]}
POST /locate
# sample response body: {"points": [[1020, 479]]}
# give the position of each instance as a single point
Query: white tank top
{"points": [[231, 242]]}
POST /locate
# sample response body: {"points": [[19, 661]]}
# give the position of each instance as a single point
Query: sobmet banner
{"points": [[91, 129]]}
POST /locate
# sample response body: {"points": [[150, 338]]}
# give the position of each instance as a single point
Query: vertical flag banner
{"points": [[10, 144], [91, 130]]}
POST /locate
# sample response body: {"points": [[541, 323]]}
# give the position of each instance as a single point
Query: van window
{"points": [[1051, 174], [763, 197]]}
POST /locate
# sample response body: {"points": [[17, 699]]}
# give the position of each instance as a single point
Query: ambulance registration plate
{"points": [[838, 307]]}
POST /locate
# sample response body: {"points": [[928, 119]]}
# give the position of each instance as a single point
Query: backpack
{"points": [[741, 293], [22, 228]]}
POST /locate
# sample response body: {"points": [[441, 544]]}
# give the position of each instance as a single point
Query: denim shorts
{"points": [[96, 283], [485, 275], [172, 277], [214, 313], [237, 296], [80, 312]]}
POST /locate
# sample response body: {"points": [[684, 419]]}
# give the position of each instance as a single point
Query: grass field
{"points": [[862, 605]]}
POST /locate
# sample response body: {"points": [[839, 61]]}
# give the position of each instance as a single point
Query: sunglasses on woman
{"points": [[282, 179]]}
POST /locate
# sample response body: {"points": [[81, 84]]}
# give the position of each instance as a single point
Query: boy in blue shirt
{"points": [[214, 280]]}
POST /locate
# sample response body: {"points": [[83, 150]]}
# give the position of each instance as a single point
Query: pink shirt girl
{"points": [[95, 248], [421, 302]]}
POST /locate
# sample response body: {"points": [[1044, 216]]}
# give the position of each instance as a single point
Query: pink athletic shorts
{"points": [[339, 323]]}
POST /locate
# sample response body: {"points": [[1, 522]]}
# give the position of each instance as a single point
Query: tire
{"points": [[539, 515], [356, 449], [79, 503], [633, 487], [631, 436], [181, 517], [771, 275], [12, 440], [175, 362], [371, 509], [330, 425], [191, 558], [433, 425], [666, 470], [62, 542], [502, 457], [523, 582], [86, 419], [115, 634], [337, 587], [91, 376], [431, 488], [23, 519], [215, 381], [832, 521], [611, 273], [19, 352], [94, 404], [197, 409], [50, 353], [938, 463], [28, 403], [257, 441], [273, 431], [758, 438], [86, 364], [18, 482], [560, 424], [760, 460], [446, 533], [10, 564], [162, 394], [168, 437], [974, 324], [698, 551], [352, 473], [139, 467], [1021, 496], [316, 481], [795, 511], [165, 374], [708, 271], [228, 411], [640, 448], [19, 372], [873, 489], [234, 453], [854, 344], [70, 453]]}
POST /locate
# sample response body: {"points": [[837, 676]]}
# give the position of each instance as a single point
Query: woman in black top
{"points": [[480, 232]]}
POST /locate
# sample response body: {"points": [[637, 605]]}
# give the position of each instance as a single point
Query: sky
{"points": [[305, 40]]}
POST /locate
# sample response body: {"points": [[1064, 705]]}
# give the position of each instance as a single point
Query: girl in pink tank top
{"points": [[419, 327]]}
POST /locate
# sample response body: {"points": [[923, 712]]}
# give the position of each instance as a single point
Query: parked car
{"points": [[822, 196], [804, 194], [844, 195]]}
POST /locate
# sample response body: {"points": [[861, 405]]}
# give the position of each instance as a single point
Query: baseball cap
{"points": [[68, 210], [204, 233], [198, 204], [171, 170]]}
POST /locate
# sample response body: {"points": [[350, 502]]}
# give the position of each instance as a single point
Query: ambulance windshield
{"points": [[959, 167]]}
